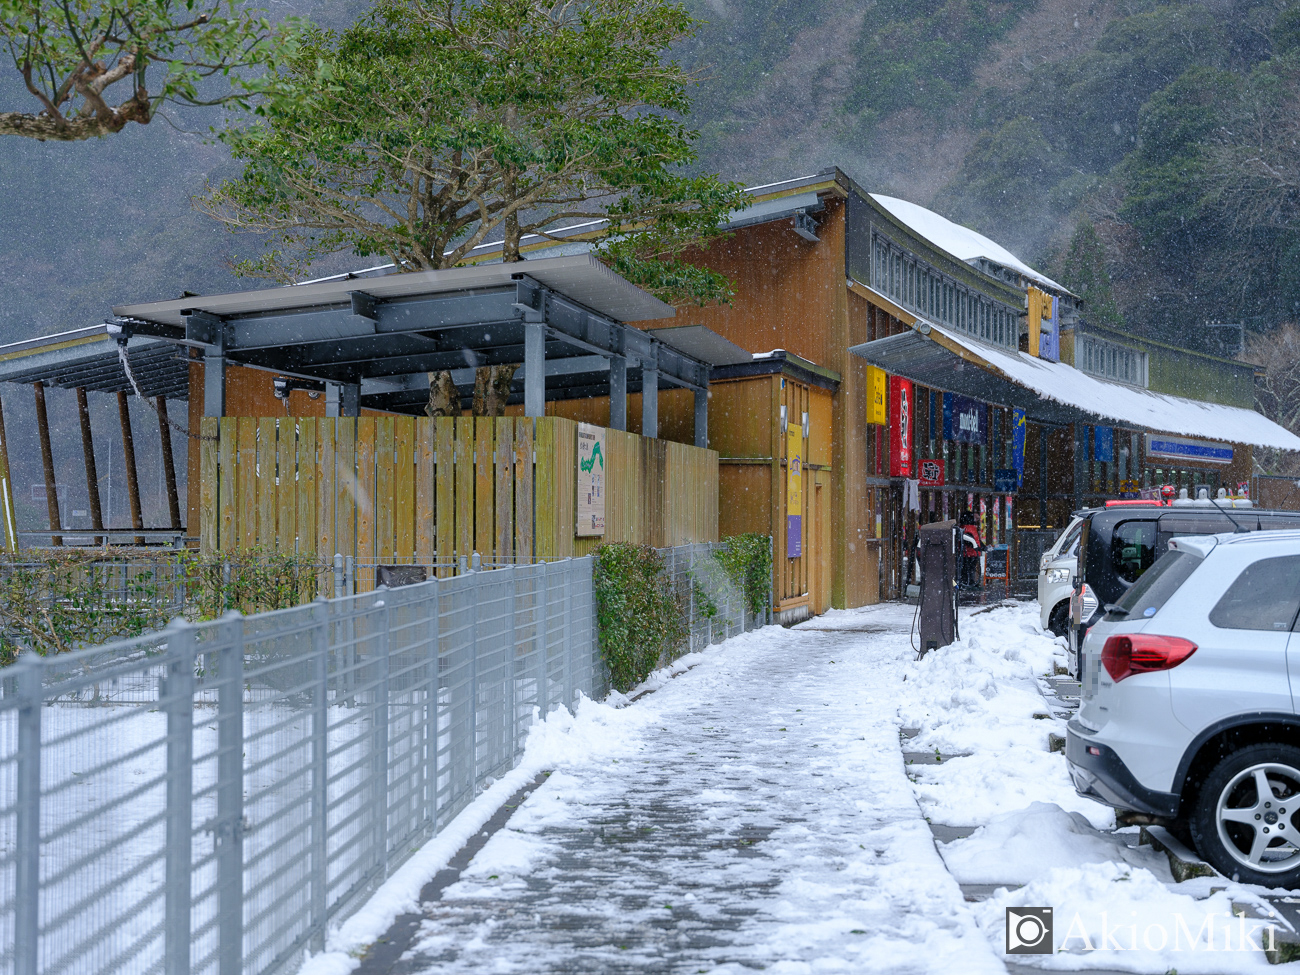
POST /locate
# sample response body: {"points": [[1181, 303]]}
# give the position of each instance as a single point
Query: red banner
{"points": [[900, 427]]}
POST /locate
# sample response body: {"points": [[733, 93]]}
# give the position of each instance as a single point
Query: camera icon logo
{"points": [[1029, 931]]}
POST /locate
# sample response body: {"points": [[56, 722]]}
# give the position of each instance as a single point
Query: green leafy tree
{"points": [[94, 66], [444, 125], [1085, 271]]}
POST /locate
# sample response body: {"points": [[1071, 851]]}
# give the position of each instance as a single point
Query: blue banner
{"points": [[1018, 445], [964, 420], [1103, 444]]}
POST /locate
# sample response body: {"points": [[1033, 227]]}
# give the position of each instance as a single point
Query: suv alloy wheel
{"points": [[1246, 821]]}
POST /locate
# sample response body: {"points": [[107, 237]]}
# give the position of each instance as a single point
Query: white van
{"points": [[1055, 579]]}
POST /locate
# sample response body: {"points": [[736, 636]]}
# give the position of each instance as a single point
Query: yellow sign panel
{"points": [[1038, 302], [794, 469], [877, 396]]}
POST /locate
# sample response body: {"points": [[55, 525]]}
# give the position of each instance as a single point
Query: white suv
{"points": [[1188, 710]]}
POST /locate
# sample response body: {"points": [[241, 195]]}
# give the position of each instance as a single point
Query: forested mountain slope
{"points": [[1142, 151]]}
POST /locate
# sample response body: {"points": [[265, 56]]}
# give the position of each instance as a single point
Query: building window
{"points": [[1107, 360]]}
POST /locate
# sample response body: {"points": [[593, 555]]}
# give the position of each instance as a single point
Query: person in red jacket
{"points": [[971, 547]]}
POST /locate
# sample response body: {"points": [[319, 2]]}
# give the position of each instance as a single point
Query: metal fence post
{"points": [[178, 701], [27, 920], [319, 771], [338, 575], [510, 695], [568, 634], [431, 711], [230, 796], [473, 688], [380, 727]]}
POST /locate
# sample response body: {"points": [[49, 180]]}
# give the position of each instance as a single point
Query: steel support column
{"points": [[47, 461], [649, 401], [1080, 431], [702, 418], [618, 393], [350, 399], [6, 491], [534, 369], [214, 383]]}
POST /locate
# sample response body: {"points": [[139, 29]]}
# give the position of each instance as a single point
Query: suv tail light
{"points": [[1143, 653]]}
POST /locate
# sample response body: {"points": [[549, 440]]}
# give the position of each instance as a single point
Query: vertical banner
{"points": [[877, 396], [1018, 445], [793, 490], [591, 480], [900, 427], [1044, 325], [1103, 444], [1049, 342]]}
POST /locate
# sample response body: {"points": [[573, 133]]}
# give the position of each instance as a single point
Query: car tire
{"points": [[1058, 620], [1246, 817]]}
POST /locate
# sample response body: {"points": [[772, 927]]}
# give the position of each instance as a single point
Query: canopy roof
{"points": [[1054, 392], [386, 333], [89, 358]]}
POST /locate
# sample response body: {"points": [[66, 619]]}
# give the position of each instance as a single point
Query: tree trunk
{"points": [[492, 389], [444, 398]]}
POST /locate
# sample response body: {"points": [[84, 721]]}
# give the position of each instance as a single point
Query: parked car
{"points": [[1118, 544], [1056, 578], [1188, 708]]}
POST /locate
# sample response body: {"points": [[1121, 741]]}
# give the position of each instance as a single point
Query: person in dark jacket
{"points": [[971, 547]]}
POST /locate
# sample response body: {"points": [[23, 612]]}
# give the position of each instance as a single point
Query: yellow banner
{"points": [[1037, 301], [877, 396], [794, 469]]}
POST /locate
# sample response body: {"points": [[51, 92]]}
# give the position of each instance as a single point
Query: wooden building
{"points": [[888, 344]]}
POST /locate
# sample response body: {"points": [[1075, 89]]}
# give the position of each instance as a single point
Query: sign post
{"points": [[591, 480], [794, 490]]}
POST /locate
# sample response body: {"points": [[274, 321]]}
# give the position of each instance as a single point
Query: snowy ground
{"points": [[756, 813]]}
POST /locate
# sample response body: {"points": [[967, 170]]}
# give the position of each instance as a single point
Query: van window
{"points": [[1145, 597], [1265, 596], [1132, 549], [1066, 544]]}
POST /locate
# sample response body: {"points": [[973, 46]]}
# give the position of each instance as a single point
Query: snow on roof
{"points": [[961, 242], [1127, 404]]}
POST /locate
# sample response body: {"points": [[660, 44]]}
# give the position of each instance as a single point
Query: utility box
{"points": [[938, 606]]}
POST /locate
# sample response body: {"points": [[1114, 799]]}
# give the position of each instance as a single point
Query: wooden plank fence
{"points": [[403, 490]]}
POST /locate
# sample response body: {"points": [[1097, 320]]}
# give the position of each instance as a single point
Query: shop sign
{"points": [[591, 480], [1188, 449], [1005, 480], [877, 396], [1018, 445], [900, 427], [1044, 325], [1103, 444], [930, 472], [964, 420], [793, 490]]}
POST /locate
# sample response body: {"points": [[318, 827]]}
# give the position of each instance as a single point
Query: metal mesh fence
{"points": [[209, 798]]}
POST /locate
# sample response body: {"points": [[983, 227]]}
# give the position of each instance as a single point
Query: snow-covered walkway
{"points": [[753, 813], [756, 813]]}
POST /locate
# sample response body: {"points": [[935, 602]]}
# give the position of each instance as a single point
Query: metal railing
{"points": [[209, 799], [212, 797]]}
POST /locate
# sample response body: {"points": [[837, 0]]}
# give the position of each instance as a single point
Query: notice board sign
{"points": [[591, 480], [931, 472], [877, 396], [794, 490], [997, 562]]}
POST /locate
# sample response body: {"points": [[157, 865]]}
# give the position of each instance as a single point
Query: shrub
{"points": [[748, 561], [638, 617]]}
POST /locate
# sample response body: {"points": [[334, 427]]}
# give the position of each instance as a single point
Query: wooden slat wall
{"points": [[401, 489]]}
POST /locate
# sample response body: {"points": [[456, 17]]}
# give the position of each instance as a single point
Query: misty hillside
{"points": [[1074, 133]]}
